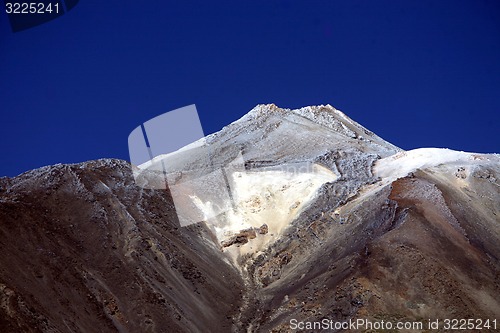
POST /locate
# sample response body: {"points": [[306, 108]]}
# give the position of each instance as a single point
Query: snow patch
{"points": [[196, 144], [403, 163], [271, 197]]}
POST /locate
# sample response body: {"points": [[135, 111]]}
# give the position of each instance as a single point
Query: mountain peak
{"points": [[304, 214], [271, 160], [269, 117]]}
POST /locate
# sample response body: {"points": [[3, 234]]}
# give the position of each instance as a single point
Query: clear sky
{"points": [[417, 73]]}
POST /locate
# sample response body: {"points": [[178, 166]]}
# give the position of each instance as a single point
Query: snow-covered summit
{"points": [[267, 168], [276, 135], [268, 117]]}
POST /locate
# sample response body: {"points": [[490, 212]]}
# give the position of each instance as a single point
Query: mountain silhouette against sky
{"points": [[320, 219]]}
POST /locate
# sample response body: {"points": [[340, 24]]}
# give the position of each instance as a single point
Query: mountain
{"points": [[283, 220]]}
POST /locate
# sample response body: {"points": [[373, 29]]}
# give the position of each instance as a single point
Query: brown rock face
{"points": [[85, 250], [422, 248]]}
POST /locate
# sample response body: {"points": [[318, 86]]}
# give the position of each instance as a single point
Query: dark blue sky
{"points": [[417, 73]]}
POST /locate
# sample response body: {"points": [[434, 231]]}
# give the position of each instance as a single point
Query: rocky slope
{"points": [[323, 220], [86, 250]]}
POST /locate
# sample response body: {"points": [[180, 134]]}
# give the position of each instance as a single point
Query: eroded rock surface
{"points": [[86, 250]]}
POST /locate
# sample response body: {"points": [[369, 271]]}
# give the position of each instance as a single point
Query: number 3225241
{"points": [[31, 8]]}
